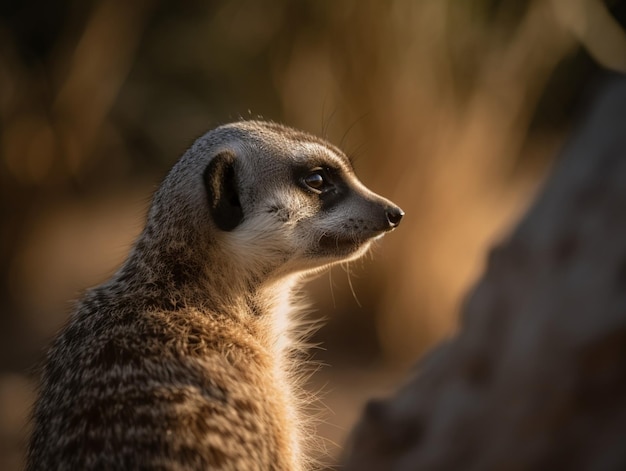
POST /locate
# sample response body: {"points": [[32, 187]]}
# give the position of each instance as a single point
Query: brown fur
{"points": [[183, 360]]}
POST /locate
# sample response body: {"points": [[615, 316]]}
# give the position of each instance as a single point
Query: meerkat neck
{"points": [[178, 276]]}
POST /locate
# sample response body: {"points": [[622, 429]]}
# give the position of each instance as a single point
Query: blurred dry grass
{"points": [[441, 103]]}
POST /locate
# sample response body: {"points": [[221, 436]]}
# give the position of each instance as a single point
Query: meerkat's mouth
{"points": [[342, 245], [339, 243]]}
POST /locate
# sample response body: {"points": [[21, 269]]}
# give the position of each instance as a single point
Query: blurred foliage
{"points": [[432, 96], [452, 109], [436, 99]]}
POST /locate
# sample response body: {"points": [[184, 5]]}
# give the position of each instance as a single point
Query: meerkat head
{"points": [[275, 200]]}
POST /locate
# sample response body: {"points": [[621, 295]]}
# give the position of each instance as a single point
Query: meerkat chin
{"points": [[183, 359]]}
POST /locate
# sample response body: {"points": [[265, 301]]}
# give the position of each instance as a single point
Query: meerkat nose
{"points": [[394, 216]]}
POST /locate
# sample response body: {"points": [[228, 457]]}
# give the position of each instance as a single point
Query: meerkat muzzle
{"points": [[394, 216]]}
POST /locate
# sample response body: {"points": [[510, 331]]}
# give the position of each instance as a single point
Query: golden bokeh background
{"points": [[454, 110]]}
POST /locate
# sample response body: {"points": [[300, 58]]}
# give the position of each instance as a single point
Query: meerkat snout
{"points": [[394, 216], [185, 359]]}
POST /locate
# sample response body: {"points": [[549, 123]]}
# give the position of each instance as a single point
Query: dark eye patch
{"points": [[317, 179], [314, 176], [322, 181]]}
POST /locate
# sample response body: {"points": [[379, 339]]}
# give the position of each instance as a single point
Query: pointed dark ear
{"points": [[222, 193]]}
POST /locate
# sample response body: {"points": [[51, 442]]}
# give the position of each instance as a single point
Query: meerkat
{"points": [[184, 359]]}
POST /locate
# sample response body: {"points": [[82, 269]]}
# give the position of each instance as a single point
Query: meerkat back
{"points": [[184, 359]]}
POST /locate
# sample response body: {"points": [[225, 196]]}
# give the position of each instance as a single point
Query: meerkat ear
{"points": [[222, 194]]}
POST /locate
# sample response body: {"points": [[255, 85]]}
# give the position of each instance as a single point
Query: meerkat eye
{"points": [[316, 180]]}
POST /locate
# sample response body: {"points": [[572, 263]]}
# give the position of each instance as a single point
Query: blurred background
{"points": [[454, 110]]}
